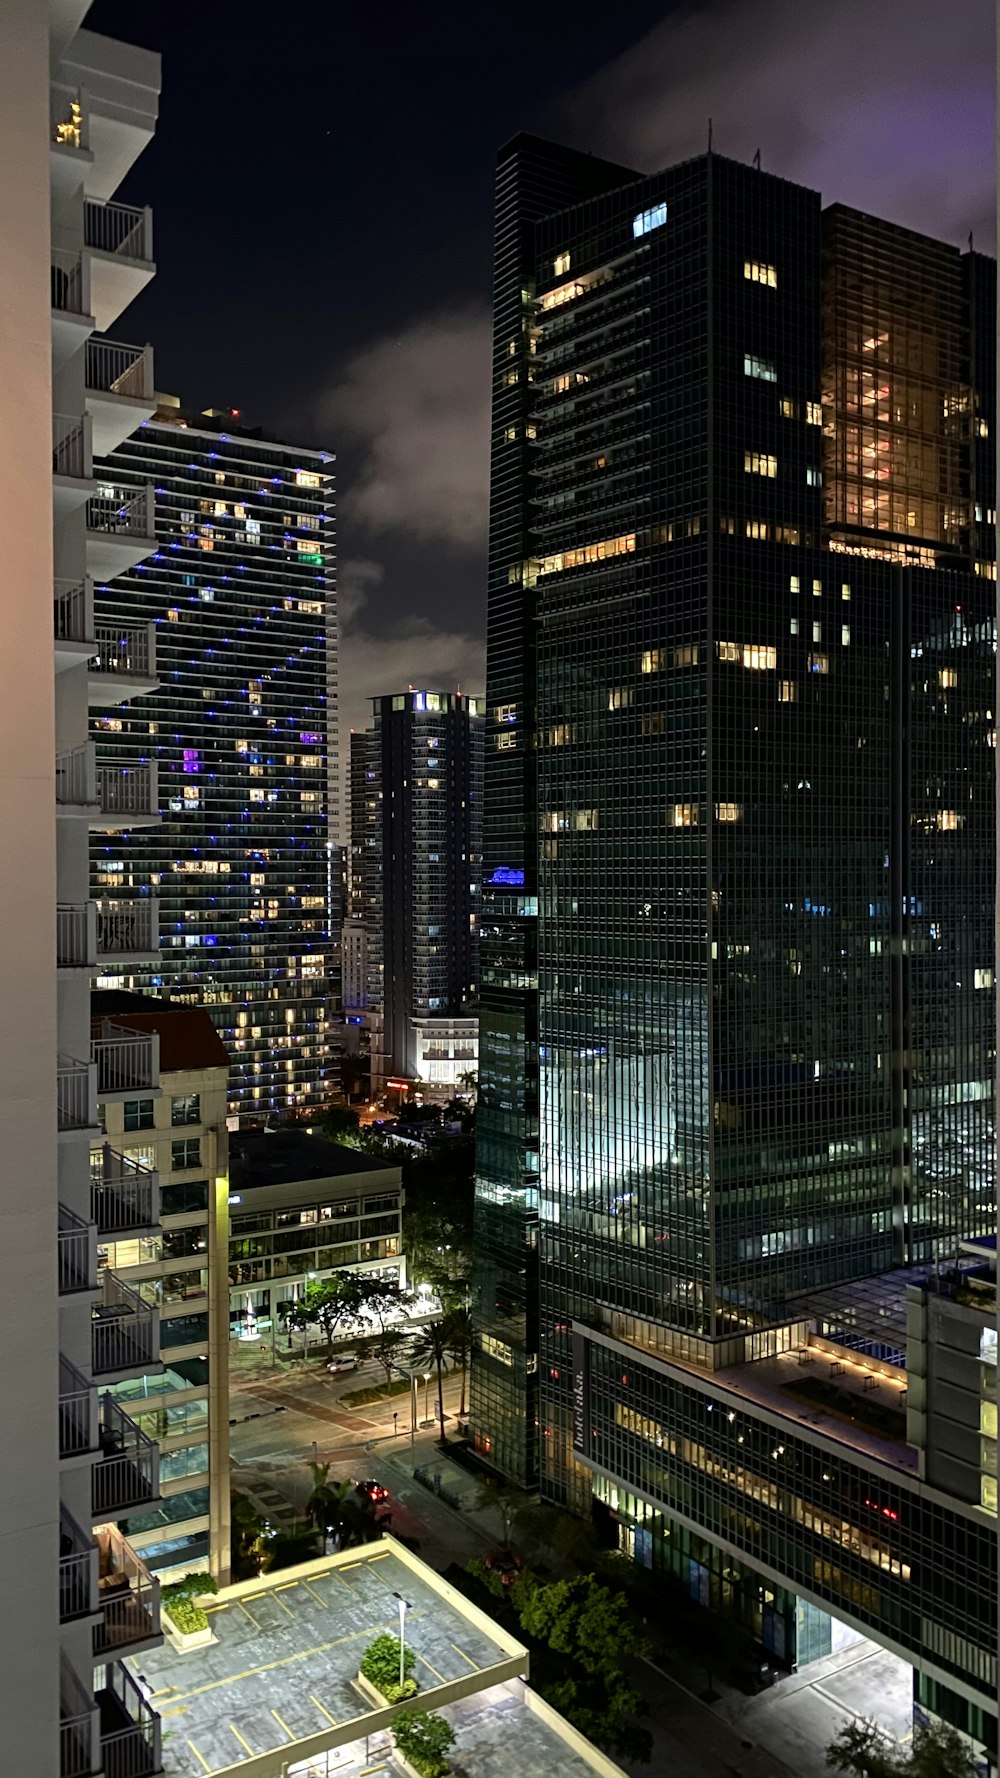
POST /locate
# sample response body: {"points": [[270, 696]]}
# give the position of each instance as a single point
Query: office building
{"points": [[737, 1011], [236, 874], [416, 841], [177, 1138], [76, 111]]}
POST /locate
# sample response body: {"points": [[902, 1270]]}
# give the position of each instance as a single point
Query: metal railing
{"points": [[67, 282], [127, 1059], [114, 369], [118, 228], [128, 1474], [126, 649], [74, 949], [127, 927], [79, 1750], [77, 1411], [127, 790], [74, 1094], [75, 775], [69, 446], [133, 1751], [125, 512], [77, 1570], [128, 1595], [124, 1330], [77, 1247], [123, 1196], [71, 611], [67, 117]]}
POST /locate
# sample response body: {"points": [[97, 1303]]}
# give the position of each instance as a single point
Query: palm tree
{"points": [[459, 1325], [433, 1347]]}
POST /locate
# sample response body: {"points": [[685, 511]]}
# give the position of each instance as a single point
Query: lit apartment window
{"points": [[948, 678], [817, 589], [759, 367], [814, 413], [793, 626], [560, 265], [186, 1109], [306, 478], [651, 660], [505, 713], [510, 435], [814, 478], [817, 632], [758, 273], [561, 734], [760, 463], [984, 978], [818, 663], [758, 530], [787, 407], [845, 592], [684, 815], [845, 635], [606, 548], [647, 220], [506, 743], [948, 821], [728, 812], [788, 692], [620, 697], [794, 584], [564, 293], [586, 820], [686, 657]]}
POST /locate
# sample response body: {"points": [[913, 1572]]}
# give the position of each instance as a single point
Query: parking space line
{"points": [[243, 1743], [199, 1755], [434, 1670], [465, 1657], [282, 1724], [323, 1709], [248, 1614]]}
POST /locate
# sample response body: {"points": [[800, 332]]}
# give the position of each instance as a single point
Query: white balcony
{"points": [[124, 1197], [127, 1060], [77, 1253], [72, 321], [121, 86], [127, 797], [70, 159], [72, 463], [77, 1414], [76, 783], [124, 663], [76, 935], [128, 931], [120, 529], [130, 1728], [119, 386], [76, 1094], [125, 1333], [128, 1599], [77, 1571], [119, 238], [73, 623]]}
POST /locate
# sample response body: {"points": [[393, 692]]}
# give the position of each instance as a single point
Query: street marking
{"points": [[465, 1657], [284, 1607], [248, 1614], [323, 1709], [282, 1724], [199, 1755], [243, 1743], [175, 1710], [321, 1648], [313, 1595]]}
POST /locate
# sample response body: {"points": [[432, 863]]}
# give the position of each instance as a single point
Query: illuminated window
{"points": [[814, 413], [560, 265], [563, 293], [788, 692], [787, 407], [817, 589], [759, 657], [511, 378], [684, 815], [620, 697], [758, 529], [253, 531], [984, 978], [760, 463], [685, 657], [606, 548], [506, 743], [948, 678], [510, 435], [817, 632], [586, 820], [818, 663], [949, 821], [560, 384], [793, 626], [759, 273], [845, 635], [794, 584], [306, 478], [728, 812], [647, 220], [505, 713], [561, 734], [759, 367], [814, 478], [651, 660], [845, 592]]}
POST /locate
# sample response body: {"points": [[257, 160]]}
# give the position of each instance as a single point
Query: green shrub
{"points": [[380, 1665], [189, 1585], [424, 1738], [185, 1615]]}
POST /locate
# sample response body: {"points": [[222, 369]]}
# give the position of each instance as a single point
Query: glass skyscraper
{"points": [[240, 599], [737, 952]]}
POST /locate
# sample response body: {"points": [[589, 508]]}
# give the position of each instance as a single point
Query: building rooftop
{"points": [[285, 1157], [188, 1038], [277, 1684], [867, 1315]]}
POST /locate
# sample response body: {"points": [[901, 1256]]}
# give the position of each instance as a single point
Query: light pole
{"points": [[427, 1391], [413, 1417], [404, 1606]]}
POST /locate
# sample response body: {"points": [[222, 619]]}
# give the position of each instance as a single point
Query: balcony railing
{"points": [[128, 1595], [77, 1570], [74, 1094], [124, 512], [79, 1748], [75, 776], [71, 612], [130, 1728], [124, 1330], [128, 1474], [67, 117], [127, 790], [77, 1253], [126, 1059], [128, 650], [74, 935], [77, 1411], [124, 1197], [67, 282], [118, 228], [113, 369], [127, 927], [69, 446]]}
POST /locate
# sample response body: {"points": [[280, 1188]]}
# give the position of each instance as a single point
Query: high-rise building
{"points": [[235, 875], [416, 843], [76, 111], [737, 1026]]}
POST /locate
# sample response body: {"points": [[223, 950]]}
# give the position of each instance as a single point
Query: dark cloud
{"points": [[887, 105], [412, 651]]}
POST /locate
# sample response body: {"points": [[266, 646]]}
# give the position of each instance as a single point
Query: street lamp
{"points": [[404, 1606], [427, 1391]]}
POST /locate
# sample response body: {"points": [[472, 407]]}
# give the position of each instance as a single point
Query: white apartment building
{"points": [[76, 110]]}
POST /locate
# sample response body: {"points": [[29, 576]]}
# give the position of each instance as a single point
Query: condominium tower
{"points": [[235, 877], [737, 946], [76, 110]]}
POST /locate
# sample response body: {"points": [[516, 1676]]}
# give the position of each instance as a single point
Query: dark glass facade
{"points": [[241, 594]]}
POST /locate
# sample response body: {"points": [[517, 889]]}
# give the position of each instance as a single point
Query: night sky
{"points": [[322, 186]]}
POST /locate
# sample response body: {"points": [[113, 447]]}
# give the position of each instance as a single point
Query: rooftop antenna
{"points": [[710, 135], [756, 160]]}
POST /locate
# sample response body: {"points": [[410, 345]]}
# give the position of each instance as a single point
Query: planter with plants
{"points": [[378, 1677], [185, 1623], [422, 1739]]}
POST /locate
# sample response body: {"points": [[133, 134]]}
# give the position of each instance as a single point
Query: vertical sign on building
{"points": [[581, 1392]]}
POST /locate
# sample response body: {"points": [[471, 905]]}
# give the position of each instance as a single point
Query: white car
{"points": [[345, 1361]]}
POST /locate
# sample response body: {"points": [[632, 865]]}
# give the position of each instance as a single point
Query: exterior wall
{"points": [[29, 1477], [444, 1052]]}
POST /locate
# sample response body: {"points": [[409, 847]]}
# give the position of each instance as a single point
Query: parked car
{"points": [[505, 1563], [345, 1361], [372, 1490]]}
